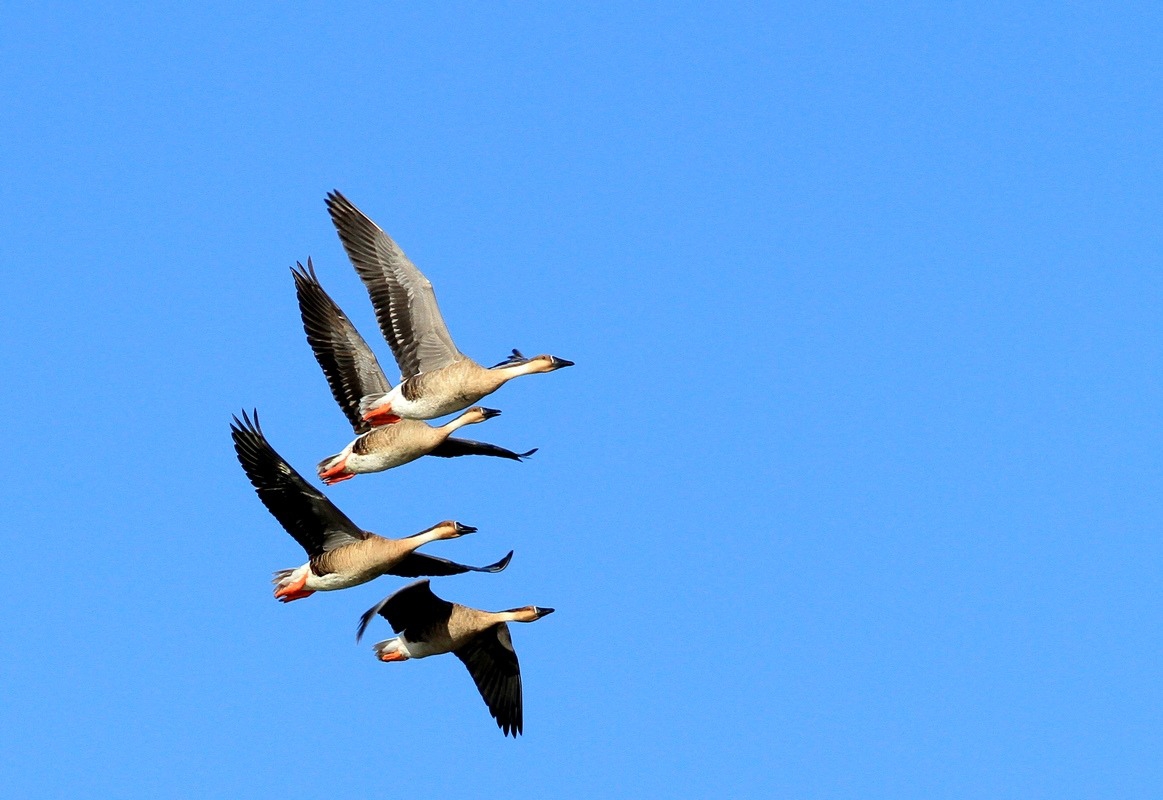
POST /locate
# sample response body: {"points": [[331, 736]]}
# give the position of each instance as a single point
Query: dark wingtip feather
{"points": [[245, 425], [499, 565], [305, 276], [336, 202], [249, 441], [367, 617], [516, 357], [509, 725]]}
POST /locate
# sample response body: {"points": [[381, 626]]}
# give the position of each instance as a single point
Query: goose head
{"points": [[530, 613], [450, 529], [478, 414], [548, 363]]}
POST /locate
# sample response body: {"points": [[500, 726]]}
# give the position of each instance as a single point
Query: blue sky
{"points": [[854, 492]]}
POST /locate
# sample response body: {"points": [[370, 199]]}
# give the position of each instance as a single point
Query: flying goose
{"points": [[352, 372], [340, 554], [437, 379], [429, 626]]}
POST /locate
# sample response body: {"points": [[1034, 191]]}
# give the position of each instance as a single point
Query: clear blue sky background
{"points": [[854, 492]]}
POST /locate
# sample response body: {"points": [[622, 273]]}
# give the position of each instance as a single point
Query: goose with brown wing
{"points": [[437, 379], [353, 372], [340, 554], [428, 625]]}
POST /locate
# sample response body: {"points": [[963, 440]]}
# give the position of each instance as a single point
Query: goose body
{"points": [[434, 394], [448, 389], [436, 378], [391, 446], [339, 553], [428, 625], [353, 372]]}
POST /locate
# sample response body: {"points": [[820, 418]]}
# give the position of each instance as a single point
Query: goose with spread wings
{"points": [[353, 372], [429, 626], [436, 378], [340, 554]]}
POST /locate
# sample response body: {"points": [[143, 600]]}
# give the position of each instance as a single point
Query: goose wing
{"points": [[350, 366], [453, 447], [492, 662], [313, 520], [414, 611], [416, 565], [403, 298]]}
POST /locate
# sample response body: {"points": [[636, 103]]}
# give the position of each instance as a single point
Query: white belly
{"points": [[380, 460], [334, 580], [421, 649], [429, 407]]}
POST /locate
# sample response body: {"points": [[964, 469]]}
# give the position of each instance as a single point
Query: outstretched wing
{"points": [[350, 365], [414, 611], [453, 447], [416, 565], [313, 520], [403, 298], [492, 662]]}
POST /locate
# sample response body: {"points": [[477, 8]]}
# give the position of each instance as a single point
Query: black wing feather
{"points": [[418, 564], [453, 447], [350, 366], [413, 611], [403, 298], [493, 664], [357, 233], [303, 511]]}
